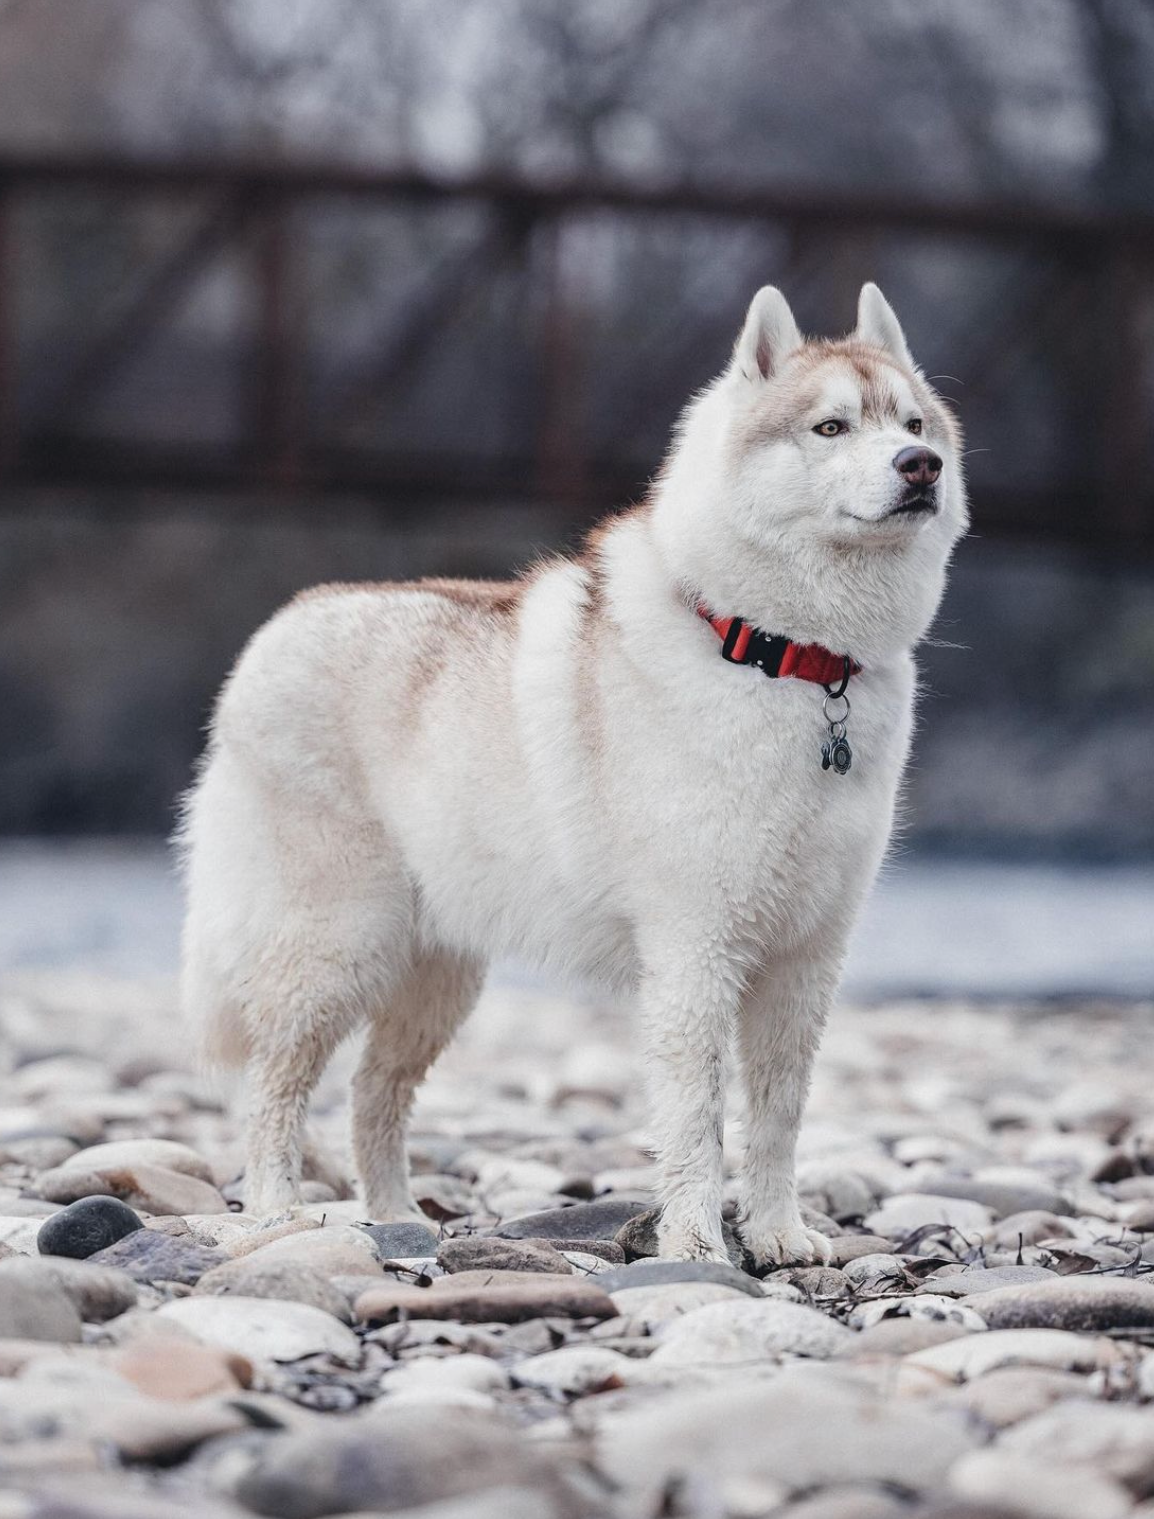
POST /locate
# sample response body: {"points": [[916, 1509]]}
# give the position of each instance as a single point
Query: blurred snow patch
{"points": [[931, 927]]}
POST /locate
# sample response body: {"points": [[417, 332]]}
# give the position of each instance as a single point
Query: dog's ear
{"points": [[769, 336], [877, 324]]}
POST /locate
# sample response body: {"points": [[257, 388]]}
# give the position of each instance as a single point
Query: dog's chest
{"points": [[734, 805]]}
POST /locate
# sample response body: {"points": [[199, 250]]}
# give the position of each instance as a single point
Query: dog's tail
{"points": [[211, 1015]]}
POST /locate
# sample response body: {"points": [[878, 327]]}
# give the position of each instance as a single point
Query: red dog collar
{"points": [[777, 656]]}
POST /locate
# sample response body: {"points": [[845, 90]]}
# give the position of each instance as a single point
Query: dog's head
{"points": [[842, 439], [817, 486]]}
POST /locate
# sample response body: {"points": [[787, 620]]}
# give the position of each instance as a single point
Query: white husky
{"points": [[405, 781]]}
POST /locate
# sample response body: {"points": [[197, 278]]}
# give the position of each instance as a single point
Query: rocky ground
{"points": [[982, 1345]]}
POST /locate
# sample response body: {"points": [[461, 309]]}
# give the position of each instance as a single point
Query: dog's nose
{"points": [[918, 466]]}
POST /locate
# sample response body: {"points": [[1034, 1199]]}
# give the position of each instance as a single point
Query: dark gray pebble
{"points": [[596, 1220], [151, 1257], [85, 1227]]}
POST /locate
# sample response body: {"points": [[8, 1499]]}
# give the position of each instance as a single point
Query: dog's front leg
{"points": [[688, 1003], [779, 1027]]}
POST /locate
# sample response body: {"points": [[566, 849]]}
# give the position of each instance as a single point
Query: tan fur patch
{"points": [[496, 596], [783, 409]]}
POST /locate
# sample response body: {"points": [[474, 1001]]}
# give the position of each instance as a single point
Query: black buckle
{"points": [[766, 652]]}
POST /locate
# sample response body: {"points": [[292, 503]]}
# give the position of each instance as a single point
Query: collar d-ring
{"points": [[847, 671]]}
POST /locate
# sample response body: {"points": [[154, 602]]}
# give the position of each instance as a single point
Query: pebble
{"points": [[850, 1500], [903, 1215], [35, 1307], [99, 1292], [877, 1273], [742, 1330], [85, 1227], [176, 1370], [476, 1252], [108, 1411], [261, 1328], [443, 1198], [150, 1257], [1028, 1228], [20, 1234], [1013, 1393], [395, 1241], [1091, 1304], [583, 1221], [1003, 1198], [1018, 1485], [1111, 1438], [607, 1250], [38, 1152], [648, 1309], [287, 1281], [975, 1354], [780, 1430], [152, 1189], [814, 1282], [575, 1370], [469, 1372], [395, 1457], [843, 1195], [851, 1247], [979, 1279], [125, 1154], [937, 1310], [488, 1297], [899, 1336], [338, 1249], [656, 1273]]}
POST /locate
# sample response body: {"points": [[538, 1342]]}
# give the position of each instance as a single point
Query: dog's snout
{"points": [[918, 466]]}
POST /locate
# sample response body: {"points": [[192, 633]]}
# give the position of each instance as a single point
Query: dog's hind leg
{"points": [[405, 1036], [281, 1074]]}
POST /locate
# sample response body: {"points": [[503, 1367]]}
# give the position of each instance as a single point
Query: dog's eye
{"points": [[830, 429], [914, 425]]}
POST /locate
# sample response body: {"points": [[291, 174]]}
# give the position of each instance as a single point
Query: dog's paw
{"points": [[686, 1244], [794, 1245]]}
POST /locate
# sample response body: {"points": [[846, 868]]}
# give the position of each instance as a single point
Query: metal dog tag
{"points": [[837, 755]]}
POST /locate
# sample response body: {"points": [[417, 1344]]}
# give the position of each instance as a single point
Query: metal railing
{"points": [[1099, 268]]}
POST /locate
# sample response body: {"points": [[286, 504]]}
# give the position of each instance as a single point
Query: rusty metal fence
{"points": [[1066, 348]]}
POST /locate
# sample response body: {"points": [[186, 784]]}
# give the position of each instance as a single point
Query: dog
{"points": [[668, 763]]}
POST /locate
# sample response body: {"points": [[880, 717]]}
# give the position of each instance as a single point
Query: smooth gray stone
{"points": [[1004, 1198], [1080, 1303], [392, 1458], [402, 1241], [99, 1292], [596, 1220], [986, 1279], [480, 1252], [655, 1273], [35, 1308], [151, 1257]]}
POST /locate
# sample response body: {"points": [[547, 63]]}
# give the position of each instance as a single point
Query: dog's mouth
{"points": [[916, 503]]}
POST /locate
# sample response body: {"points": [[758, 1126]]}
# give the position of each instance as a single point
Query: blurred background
{"points": [[298, 290]]}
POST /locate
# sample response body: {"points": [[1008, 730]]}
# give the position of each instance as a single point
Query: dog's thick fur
{"points": [[405, 781]]}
